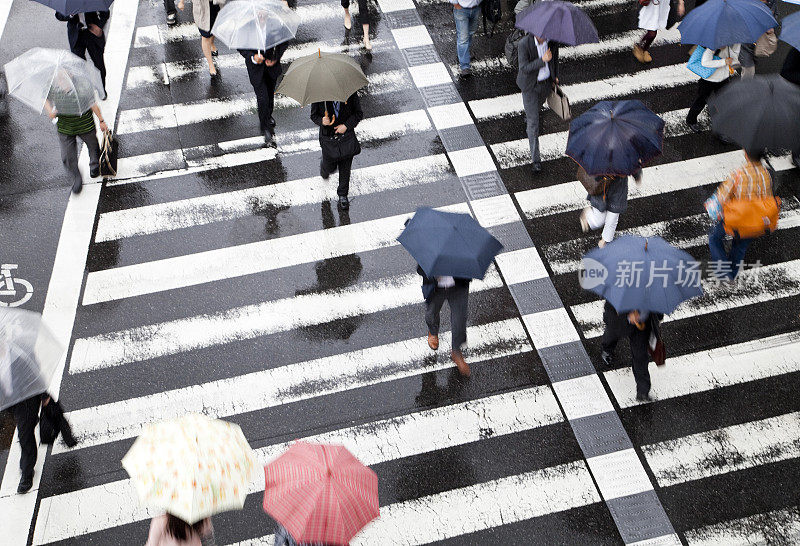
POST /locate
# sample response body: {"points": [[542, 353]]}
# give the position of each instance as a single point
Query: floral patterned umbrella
{"points": [[191, 467]]}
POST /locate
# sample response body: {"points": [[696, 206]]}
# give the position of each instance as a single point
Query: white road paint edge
{"points": [[776, 527]]}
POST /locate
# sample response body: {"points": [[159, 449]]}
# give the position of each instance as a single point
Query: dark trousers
{"points": [[647, 39], [264, 87], [618, 327], [26, 414], [457, 297], [95, 46], [705, 89], [69, 154], [169, 6], [344, 165], [729, 262]]}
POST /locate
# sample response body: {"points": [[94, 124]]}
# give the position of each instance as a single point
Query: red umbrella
{"points": [[320, 493]]}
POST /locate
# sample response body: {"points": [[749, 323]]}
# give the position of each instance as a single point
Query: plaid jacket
{"points": [[751, 181]]}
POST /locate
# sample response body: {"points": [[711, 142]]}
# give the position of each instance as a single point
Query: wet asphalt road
{"points": [[158, 316]]}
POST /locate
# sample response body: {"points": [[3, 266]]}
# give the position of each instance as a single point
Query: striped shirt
{"points": [[75, 125], [751, 181], [73, 100]]}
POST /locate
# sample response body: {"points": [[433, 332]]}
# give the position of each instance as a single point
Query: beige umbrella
{"points": [[322, 77]]}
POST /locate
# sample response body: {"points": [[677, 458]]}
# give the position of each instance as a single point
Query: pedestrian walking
{"points": [[172, 14], [791, 72], [723, 61], [466, 14], [205, 13], [455, 291], [605, 207], [537, 74], [337, 122], [747, 52], [284, 538], [653, 16], [264, 69], [636, 327], [85, 32], [70, 128], [169, 530], [363, 18], [751, 182]]}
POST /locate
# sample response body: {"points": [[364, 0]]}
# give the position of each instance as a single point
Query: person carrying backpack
{"points": [[465, 14], [515, 36], [746, 192]]}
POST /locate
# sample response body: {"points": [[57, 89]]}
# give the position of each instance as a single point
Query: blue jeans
{"points": [[466, 25], [733, 259]]}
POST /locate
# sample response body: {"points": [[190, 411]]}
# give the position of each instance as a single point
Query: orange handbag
{"points": [[750, 218]]}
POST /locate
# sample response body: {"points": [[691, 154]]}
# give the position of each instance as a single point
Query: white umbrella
{"points": [[63, 78], [255, 24]]}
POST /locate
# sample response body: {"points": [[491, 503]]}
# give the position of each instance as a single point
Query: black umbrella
{"points": [[760, 113]]}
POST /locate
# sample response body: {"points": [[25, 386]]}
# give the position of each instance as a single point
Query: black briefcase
{"points": [[336, 147]]}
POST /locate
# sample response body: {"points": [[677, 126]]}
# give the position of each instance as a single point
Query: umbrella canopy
{"points": [[559, 21], [790, 30], [255, 24], [29, 356], [637, 273], [615, 137], [322, 76], [59, 76], [320, 493], [760, 113], [71, 7], [720, 23], [192, 467], [449, 244]]}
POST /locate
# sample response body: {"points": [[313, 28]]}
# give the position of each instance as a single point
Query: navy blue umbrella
{"points": [[790, 30], [615, 137], [71, 7], [720, 23], [562, 22], [449, 244], [644, 274]]}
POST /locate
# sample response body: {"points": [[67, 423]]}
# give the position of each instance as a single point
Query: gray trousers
{"points": [[532, 101], [457, 297], [69, 153]]}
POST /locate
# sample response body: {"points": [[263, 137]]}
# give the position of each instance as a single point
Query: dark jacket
{"points": [[791, 67], [76, 29], [256, 71], [614, 198], [350, 114], [618, 322], [530, 64], [429, 283]]}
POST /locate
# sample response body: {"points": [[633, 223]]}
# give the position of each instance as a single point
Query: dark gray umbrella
{"points": [[71, 7], [760, 113]]}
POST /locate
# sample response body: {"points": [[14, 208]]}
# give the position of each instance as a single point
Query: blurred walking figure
{"points": [[791, 72], [466, 14], [538, 72], [284, 538], [264, 69], [337, 137], [455, 291], [723, 62], [747, 53], [653, 16], [169, 530], [363, 17], [748, 184], [205, 13], [636, 326], [606, 206], [85, 32]]}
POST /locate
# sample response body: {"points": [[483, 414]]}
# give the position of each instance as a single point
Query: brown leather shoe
{"points": [[433, 341], [638, 52], [461, 364]]}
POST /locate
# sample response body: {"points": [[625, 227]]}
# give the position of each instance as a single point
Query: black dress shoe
{"points": [[643, 398], [215, 53], [272, 122], [695, 127], [94, 173], [536, 168], [344, 202], [77, 186], [608, 359], [25, 484], [322, 172]]}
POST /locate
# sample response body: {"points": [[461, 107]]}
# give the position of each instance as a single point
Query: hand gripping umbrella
{"points": [[59, 76], [255, 24], [449, 244], [637, 273], [559, 21], [615, 137], [322, 77], [71, 7], [720, 23]]}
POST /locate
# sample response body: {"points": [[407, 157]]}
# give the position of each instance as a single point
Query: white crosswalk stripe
{"points": [[143, 311]]}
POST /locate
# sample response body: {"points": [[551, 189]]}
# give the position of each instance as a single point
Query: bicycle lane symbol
{"points": [[10, 286]]}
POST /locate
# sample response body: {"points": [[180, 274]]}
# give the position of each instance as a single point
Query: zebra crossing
{"points": [[221, 279]]}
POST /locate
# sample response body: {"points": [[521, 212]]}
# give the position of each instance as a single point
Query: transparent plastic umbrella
{"points": [[255, 24], [59, 76], [29, 356]]}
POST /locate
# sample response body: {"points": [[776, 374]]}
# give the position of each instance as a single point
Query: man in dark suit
{"points": [[85, 34], [338, 119], [264, 69], [455, 291], [538, 72]]}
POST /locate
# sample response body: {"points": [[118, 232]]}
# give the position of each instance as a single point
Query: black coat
{"points": [[76, 29], [791, 67], [350, 114], [256, 71], [429, 283]]}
